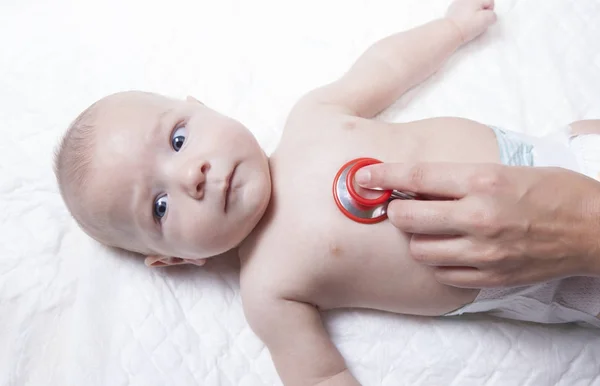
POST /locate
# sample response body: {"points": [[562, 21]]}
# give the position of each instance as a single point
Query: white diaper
{"points": [[587, 151], [571, 300], [575, 299], [580, 153]]}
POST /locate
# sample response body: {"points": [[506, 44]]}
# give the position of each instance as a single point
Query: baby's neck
{"points": [[246, 247]]}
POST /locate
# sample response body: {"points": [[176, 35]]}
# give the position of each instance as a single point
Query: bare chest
{"points": [[326, 258], [322, 257]]}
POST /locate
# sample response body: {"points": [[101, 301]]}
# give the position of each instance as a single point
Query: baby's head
{"points": [[169, 179]]}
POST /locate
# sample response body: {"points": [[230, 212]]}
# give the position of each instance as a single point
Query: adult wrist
{"points": [[592, 219]]}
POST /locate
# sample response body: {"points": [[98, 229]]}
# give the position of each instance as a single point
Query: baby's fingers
{"points": [[486, 18], [488, 4]]}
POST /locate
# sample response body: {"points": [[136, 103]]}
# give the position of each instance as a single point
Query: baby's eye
{"points": [[160, 207], [178, 138]]}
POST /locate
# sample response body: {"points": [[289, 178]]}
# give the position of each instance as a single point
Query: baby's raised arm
{"points": [[300, 347], [396, 63]]}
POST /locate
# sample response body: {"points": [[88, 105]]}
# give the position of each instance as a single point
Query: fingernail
{"points": [[362, 176]]}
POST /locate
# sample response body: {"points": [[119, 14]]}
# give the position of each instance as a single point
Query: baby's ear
{"points": [[157, 261], [197, 262], [162, 261], [193, 100]]}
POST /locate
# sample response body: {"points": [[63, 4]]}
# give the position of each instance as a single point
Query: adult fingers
{"points": [[441, 250], [444, 180], [464, 277], [426, 217]]}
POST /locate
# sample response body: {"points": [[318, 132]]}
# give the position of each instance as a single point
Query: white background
{"points": [[72, 313]]}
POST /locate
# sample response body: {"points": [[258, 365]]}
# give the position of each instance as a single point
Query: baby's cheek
{"points": [[199, 235], [200, 232]]}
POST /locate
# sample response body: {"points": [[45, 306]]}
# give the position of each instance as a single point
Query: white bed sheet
{"points": [[72, 313]]}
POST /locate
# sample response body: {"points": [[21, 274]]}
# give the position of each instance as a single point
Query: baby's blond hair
{"points": [[76, 168], [73, 164]]}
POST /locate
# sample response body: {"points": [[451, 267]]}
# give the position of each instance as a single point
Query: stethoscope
{"points": [[356, 207]]}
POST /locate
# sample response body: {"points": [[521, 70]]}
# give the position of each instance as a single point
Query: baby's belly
{"points": [[370, 265], [445, 140]]}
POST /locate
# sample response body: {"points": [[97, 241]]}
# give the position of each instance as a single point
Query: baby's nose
{"points": [[194, 178]]}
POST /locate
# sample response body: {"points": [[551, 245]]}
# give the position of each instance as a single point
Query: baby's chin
{"points": [[255, 199], [228, 240]]}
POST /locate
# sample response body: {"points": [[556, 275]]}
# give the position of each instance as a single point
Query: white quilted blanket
{"points": [[72, 313]]}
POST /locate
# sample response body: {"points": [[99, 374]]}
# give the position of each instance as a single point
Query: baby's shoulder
{"points": [[277, 263], [314, 115], [265, 282]]}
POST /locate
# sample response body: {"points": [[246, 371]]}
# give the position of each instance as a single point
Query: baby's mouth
{"points": [[227, 189]]}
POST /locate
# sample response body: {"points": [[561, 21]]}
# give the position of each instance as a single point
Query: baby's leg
{"points": [[590, 126]]}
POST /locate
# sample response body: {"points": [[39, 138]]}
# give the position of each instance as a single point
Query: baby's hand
{"points": [[472, 17]]}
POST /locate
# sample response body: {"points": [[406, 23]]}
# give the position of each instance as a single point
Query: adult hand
{"points": [[495, 225]]}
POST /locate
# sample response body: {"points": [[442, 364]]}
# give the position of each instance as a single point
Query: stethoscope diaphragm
{"points": [[357, 207]]}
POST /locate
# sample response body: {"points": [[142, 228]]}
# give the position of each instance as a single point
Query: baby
{"points": [[180, 183]]}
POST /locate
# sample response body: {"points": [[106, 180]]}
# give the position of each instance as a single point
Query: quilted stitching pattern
{"points": [[74, 313]]}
